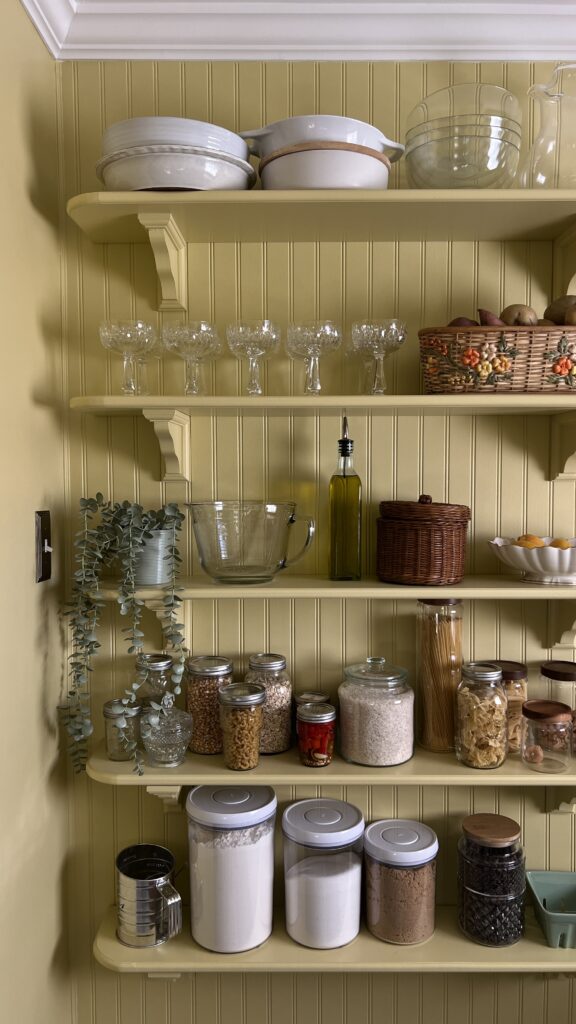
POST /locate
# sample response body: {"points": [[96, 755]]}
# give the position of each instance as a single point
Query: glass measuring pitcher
{"points": [[551, 161]]}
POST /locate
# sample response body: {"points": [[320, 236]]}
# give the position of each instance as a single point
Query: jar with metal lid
{"points": [[153, 675], [316, 726], [307, 697], [205, 674], [322, 841], [270, 671], [376, 714], [241, 714], [122, 729], [560, 680], [491, 880], [166, 733], [481, 716], [231, 855], [546, 735], [439, 628], [400, 861], [515, 682]]}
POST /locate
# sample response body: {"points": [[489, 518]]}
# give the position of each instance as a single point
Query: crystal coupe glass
{"points": [[253, 340], [132, 339], [196, 342], [308, 341], [375, 340]]}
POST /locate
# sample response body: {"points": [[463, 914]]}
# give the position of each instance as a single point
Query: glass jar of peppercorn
{"points": [[316, 728], [491, 880]]}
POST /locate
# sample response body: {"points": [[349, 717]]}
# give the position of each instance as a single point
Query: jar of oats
{"points": [[205, 675], [241, 716], [481, 716], [376, 714], [270, 671]]}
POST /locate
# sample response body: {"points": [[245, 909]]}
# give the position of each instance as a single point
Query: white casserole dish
{"points": [[177, 167], [325, 168], [171, 131], [320, 127]]}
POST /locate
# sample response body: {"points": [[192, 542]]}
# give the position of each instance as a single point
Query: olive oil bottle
{"points": [[345, 499]]}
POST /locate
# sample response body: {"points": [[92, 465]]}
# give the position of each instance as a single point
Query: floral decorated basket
{"points": [[461, 359]]}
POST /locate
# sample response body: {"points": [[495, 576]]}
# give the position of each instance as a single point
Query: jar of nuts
{"points": [[205, 674], [546, 735], [241, 715], [270, 671]]}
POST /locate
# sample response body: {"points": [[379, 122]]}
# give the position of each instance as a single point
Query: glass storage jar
{"points": [[439, 629], [270, 671], [205, 674], [316, 728], [400, 862], [122, 729], [546, 735], [376, 714], [515, 682], [231, 853], [154, 676], [481, 722], [560, 680], [307, 697], [491, 880], [241, 707], [322, 871], [166, 734]]}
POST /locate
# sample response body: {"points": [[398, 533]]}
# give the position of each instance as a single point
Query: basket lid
{"points": [[425, 511]]}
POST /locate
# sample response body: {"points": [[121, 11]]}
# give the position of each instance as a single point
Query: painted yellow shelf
{"points": [[424, 769], [448, 951]]}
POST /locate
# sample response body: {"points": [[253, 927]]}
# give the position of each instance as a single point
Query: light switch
{"points": [[43, 546]]}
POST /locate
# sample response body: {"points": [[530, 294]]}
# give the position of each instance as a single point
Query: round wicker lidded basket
{"points": [[421, 542]]}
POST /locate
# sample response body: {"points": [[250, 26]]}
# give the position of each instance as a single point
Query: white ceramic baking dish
{"points": [[325, 168], [178, 167], [320, 127], [171, 131]]}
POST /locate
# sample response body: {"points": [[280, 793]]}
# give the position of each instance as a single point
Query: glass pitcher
{"points": [[551, 162]]}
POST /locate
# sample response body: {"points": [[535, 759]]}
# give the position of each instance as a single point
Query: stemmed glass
{"points": [[376, 340], [196, 342], [132, 339], [308, 341], [253, 340]]}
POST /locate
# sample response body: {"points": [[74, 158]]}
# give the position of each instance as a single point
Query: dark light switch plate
{"points": [[43, 546]]}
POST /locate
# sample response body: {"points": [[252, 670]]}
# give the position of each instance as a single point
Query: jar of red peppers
{"points": [[316, 728]]}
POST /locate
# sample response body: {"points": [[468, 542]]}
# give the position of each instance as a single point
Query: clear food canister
{"points": [[491, 880], [400, 861], [270, 671], [316, 727], [153, 675], [205, 674], [376, 714], [122, 729], [231, 850], [546, 735], [560, 677], [322, 871], [241, 721], [439, 627], [307, 697], [481, 716], [515, 683]]}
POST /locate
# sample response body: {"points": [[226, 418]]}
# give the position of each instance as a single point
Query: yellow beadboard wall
{"points": [[497, 465]]}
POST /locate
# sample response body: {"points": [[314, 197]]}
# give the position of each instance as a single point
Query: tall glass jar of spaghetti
{"points": [[439, 627]]}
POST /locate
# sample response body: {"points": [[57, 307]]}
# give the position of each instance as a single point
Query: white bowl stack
{"points": [[322, 151], [173, 153]]}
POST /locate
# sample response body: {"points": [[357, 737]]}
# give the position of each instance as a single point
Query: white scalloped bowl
{"points": [[539, 565]]}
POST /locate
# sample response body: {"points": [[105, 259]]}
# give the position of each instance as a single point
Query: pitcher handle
{"points": [[171, 908], [309, 536]]}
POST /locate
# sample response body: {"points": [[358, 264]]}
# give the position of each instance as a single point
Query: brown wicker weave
{"points": [[421, 542], [488, 359]]}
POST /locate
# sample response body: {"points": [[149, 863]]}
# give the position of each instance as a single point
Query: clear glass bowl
{"points": [[464, 99], [463, 161], [166, 736]]}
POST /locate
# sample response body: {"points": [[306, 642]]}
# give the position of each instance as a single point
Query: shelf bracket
{"points": [[170, 256], [563, 446], [172, 429], [169, 795]]}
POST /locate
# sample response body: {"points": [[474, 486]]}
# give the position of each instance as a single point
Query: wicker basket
{"points": [[421, 542], [489, 359]]}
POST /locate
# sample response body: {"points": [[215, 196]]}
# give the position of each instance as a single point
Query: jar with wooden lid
{"points": [[270, 671], [481, 722], [439, 630], [546, 736], [515, 682], [491, 880], [560, 680], [205, 674], [241, 706]]}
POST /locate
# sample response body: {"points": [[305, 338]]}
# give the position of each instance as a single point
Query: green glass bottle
{"points": [[345, 499]]}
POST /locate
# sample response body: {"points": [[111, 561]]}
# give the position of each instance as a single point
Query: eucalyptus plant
{"points": [[116, 533]]}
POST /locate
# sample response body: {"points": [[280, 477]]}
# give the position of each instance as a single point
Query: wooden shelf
{"points": [[424, 769], [448, 951]]}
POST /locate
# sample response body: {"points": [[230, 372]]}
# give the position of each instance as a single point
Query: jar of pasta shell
{"points": [[241, 715], [515, 682], [481, 716]]}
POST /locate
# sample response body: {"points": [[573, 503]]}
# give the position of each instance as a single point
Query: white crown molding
{"points": [[298, 30]]}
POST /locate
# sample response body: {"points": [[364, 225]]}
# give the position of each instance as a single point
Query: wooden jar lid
{"points": [[491, 829]]}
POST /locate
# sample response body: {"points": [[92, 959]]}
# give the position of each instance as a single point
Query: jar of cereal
{"points": [[241, 706], [270, 671]]}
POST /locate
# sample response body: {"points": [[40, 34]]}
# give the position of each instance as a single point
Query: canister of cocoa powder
{"points": [[400, 860]]}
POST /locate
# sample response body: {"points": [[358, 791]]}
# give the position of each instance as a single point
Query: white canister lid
{"points": [[400, 841], [230, 806], [322, 822]]}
